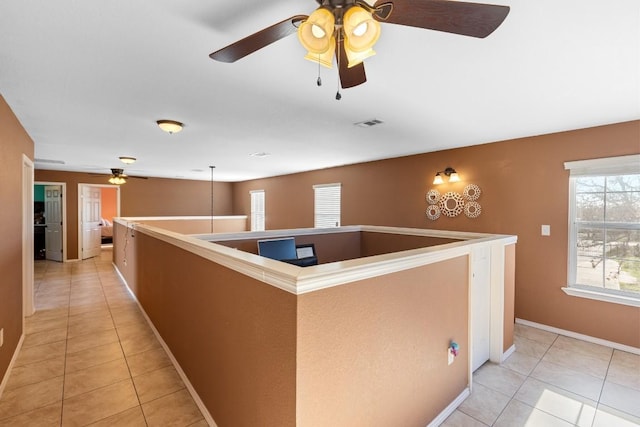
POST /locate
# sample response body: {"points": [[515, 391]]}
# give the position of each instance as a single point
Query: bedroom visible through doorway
{"points": [[97, 206]]}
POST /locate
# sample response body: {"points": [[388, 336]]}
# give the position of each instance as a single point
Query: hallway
{"points": [[90, 358]]}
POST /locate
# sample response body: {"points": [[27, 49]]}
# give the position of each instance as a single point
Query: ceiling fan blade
{"points": [[258, 40], [349, 77], [468, 19]]}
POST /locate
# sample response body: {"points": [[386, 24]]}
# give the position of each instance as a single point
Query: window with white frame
{"points": [[604, 229], [257, 210], [327, 205]]}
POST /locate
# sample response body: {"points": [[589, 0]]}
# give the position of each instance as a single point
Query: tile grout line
{"points": [[527, 377], [602, 388], [126, 361]]}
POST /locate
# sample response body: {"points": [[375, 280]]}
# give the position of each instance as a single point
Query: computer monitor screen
{"points": [[277, 248], [306, 250]]}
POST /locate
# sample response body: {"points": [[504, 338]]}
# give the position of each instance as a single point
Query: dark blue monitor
{"points": [[278, 249]]}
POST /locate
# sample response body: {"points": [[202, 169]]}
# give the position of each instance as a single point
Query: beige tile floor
{"points": [[90, 358], [552, 380]]}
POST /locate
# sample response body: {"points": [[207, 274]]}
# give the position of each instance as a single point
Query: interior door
{"points": [[91, 236], [53, 222]]}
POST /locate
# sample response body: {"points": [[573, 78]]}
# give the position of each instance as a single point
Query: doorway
{"points": [[97, 206], [49, 219]]}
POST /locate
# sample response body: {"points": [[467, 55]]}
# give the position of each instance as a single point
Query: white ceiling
{"points": [[89, 79]]}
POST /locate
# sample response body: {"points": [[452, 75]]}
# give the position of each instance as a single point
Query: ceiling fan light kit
{"points": [[117, 177], [348, 30]]}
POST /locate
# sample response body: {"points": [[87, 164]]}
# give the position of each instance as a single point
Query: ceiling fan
{"points": [[118, 177], [348, 29]]}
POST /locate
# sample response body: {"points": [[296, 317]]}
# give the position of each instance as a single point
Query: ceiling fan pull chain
{"points": [[319, 81], [338, 96]]}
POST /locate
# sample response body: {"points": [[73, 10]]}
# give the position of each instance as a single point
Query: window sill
{"points": [[602, 296]]}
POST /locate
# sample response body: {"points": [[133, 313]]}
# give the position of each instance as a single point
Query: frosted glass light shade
{"points": [[169, 126], [117, 180], [454, 177], [438, 179], [127, 160], [325, 59], [316, 33], [355, 57], [361, 31]]}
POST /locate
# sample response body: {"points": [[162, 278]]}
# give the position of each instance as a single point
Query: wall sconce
{"points": [[450, 172]]}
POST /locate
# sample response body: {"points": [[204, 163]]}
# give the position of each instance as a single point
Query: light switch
{"points": [[545, 230]]}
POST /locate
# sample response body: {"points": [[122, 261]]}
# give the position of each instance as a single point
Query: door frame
{"points": [[28, 306], [80, 207], [63, 188]]}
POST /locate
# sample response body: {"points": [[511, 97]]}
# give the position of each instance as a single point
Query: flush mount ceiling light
{"points": [[127, 160], [348, 30], [170, 126], [450, 172]]}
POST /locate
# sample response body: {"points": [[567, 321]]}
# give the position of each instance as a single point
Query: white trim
{"points": [[192, 391], [587, 338], [28, 306], [508, 353], [450, 409], [335, 184], [5, 379], [602, 296], [298, 280], [186, 218], [620, 165]]}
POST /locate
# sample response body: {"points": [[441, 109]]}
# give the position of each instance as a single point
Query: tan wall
{"points": [[14, 142], [524, 185], [143, 197], [233, 336], [383, 243], [374, 352], [349, 245], [329, 247], [509, 296], [198, 225]]}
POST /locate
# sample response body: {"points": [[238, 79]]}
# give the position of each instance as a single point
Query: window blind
{"points": [[327, 205]]}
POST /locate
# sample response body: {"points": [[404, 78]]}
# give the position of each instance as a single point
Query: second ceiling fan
{"points": [[348, 29]]}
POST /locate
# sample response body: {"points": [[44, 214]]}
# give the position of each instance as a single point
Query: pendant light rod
{"points": [[212, 168]]}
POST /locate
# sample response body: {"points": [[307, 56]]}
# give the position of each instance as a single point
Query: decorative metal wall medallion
{"points": [[471, 192], [433, 212], [472, 209], [433, 196], [451, 204]]}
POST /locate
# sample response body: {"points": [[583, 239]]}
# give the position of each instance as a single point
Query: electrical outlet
{"points": [[1, 337], [545, 230]]}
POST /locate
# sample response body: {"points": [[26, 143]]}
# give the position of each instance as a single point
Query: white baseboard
{"points": [[442, 416], [5, 379], [196, 398], [587, 338], [508, 353]]}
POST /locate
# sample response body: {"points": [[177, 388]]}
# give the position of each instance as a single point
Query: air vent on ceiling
{"points": [[53, 162], [368, 123], [260, 154]]}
